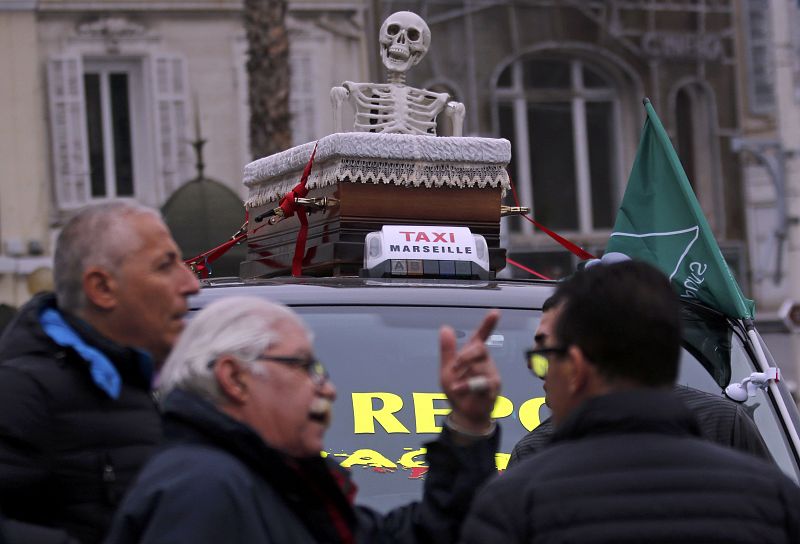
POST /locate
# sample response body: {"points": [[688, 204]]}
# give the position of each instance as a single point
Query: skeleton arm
{"points": [[338, 97], [454, 114]]}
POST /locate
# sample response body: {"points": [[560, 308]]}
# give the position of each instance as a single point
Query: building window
{"points": [[107, 95], [759, 59], [118, 127], [698, 148], [560, 115], [303, 89]]}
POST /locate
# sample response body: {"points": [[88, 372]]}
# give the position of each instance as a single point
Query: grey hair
{"points": [[241, 327], [99, 235]]}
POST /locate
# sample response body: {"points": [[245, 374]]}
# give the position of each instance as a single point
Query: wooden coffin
{"points": [[377, 179]]}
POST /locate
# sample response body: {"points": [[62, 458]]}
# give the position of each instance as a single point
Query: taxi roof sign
{"points": [[423, 250]]}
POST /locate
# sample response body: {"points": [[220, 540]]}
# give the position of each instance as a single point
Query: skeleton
{"points": [[394, 106]]}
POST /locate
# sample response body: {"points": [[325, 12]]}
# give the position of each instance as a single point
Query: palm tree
{"points": [[268, 76]]}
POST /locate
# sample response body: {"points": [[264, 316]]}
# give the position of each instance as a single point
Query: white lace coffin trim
{"points": [[398, 159]]}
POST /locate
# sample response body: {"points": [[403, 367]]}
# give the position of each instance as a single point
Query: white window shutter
{"points": [[68, 129], [171, 105], [303, 86]]}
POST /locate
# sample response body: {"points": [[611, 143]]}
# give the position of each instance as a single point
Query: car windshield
{"points": [[384, 362]]}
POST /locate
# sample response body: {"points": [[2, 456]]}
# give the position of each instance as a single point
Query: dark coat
{"points": [[721, 420], [217, 481], [630, 468], [68, 451]]}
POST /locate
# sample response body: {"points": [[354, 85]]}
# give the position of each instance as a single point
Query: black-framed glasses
{"points": [[316, 370], [538, 360]]}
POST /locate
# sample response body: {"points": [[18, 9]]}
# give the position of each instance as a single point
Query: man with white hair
{"points": [[246, 407], [77, 419]]}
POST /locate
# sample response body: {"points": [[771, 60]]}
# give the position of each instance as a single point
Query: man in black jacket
{"points": [[627, 463], [720, 420], [77, 419], [246, 409]]}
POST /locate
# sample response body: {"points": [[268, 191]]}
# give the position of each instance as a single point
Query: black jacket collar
{"points": [[635, 411], [24, 336], [133, 365], [189, 418]]}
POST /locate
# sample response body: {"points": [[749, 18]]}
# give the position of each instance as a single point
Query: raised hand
{"points": [[469, 376]]}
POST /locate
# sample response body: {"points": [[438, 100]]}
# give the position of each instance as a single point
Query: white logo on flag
{"points": [[695, 229]]}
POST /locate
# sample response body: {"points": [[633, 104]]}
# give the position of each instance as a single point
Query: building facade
{"points": [[102, 100], [564, 82]]}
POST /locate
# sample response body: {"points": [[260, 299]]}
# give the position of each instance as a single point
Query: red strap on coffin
{"points": [[290, 207], [526, 269], [200, 263], [573, 248]]}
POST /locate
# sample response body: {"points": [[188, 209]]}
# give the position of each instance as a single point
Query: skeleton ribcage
{"points": [[396, 109]]}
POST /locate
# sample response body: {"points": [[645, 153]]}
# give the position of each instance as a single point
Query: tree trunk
{"points": [[268, 76]]}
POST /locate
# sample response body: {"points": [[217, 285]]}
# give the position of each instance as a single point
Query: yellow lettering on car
{"points": [[529, 413], [408, 459], [425, 413], [501, 460], [368, 458], [365, 416], [413, 460], [503, 407], [366, 413]]}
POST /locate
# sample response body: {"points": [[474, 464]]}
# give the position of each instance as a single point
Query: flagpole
{"points": [[761, 357]]}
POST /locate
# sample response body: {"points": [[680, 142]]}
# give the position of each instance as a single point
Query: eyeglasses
{"points": [[538, 360], [316, 370]]}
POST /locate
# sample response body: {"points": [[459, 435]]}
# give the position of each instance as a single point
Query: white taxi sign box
{"points": [[413, 249], [415, 242]]}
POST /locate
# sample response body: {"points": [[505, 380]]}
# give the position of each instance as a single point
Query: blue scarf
{"points": [[104, 373]]}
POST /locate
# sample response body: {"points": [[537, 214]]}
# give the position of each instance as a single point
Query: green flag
{"points": [[660, 221]]}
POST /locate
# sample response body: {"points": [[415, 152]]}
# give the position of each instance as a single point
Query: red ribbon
{"points": [[200, 264], [573, 248], [290, 207], [526, 269]]}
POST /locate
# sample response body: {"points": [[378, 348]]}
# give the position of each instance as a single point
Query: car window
{"points": [[715, 357], [384, 362], [764, 413]]}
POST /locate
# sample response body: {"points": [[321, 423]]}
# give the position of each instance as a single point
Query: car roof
{"points": [[521, 294]]}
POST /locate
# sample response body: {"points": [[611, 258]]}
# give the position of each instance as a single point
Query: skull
{"points": [[404, 40]]}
